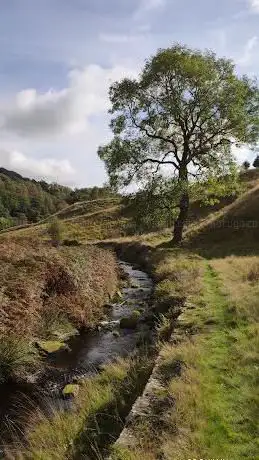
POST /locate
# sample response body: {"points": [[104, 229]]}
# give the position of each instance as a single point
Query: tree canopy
{"points": [[180, 118]]}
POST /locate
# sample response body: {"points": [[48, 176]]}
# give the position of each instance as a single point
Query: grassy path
{"points": [[211, 407], [228, 378]]}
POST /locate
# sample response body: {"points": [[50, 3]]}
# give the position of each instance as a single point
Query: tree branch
{"points": [[159, 162]]}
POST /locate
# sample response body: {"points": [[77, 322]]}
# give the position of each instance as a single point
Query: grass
{"points": [[232, 230], [45, 290], [16, 356], [216, 409], [47, 294], [96, 420], [211, 408], [208, 404], [80, 223]]}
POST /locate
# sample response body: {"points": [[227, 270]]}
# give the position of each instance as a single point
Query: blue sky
{"points": [[58, 58]]}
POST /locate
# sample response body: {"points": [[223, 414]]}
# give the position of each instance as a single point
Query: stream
{"points": [[88, 351]]}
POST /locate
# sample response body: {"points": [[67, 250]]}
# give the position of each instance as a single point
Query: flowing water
{"points": [[88, 351]]}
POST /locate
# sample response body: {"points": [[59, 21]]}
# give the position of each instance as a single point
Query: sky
{"points": [[59, 57]]}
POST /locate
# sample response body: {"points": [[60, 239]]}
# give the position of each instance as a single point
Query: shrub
{"points": [[45, 290], [55, 231], [6, 222]]}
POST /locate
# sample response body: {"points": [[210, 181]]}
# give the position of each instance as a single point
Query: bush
{"points": [[15, 356], [55, 231], [6, 222]]}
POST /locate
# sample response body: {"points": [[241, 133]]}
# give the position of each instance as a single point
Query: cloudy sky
{"points": [[58, 58]]}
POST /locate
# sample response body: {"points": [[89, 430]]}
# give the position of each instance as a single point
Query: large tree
{"points": [[180, 117]]}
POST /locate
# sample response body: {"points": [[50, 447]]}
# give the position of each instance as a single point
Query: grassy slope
{"points": [[108, 218], [84, 221], [211, 406], [233, 229], [209, 409], [216, 392]]}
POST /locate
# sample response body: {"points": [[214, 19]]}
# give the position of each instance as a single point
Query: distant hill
{"points": [[12, 174], [25, 201]]}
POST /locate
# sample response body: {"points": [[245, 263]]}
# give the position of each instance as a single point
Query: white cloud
{"points": [[65, 111], [254, 5], [242, 154], [247, 56], [147, 6], [49, 169], [152, 4], [118, 38]]}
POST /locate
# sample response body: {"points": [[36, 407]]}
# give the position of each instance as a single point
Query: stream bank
{"points": [[88, 355]]}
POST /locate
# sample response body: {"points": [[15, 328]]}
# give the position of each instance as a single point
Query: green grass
{"points": [[16, 355], [222, 419], [96, 419], [211, 406]]}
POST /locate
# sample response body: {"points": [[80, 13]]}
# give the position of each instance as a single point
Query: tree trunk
{"points": [[184, 208], [181, 219]]}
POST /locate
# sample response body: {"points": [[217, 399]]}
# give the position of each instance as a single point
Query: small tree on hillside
{"points": [[246, 165], [180, 117], [55, 231], [256, 162]]}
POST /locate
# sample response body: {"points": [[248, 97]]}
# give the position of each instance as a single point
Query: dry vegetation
{"points": [[234, 228], [39, 282], [104, 223]]}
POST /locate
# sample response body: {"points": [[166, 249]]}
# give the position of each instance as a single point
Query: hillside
{"points": [[24, 200], [201, 397], [112, 216], [234, 228]]}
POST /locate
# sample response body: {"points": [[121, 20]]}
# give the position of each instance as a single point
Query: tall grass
{"points": [[16, 356], [97, 417]]}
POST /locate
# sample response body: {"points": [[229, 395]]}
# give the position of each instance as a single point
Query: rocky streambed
{"points": [[116, 336], [125, 327]]}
